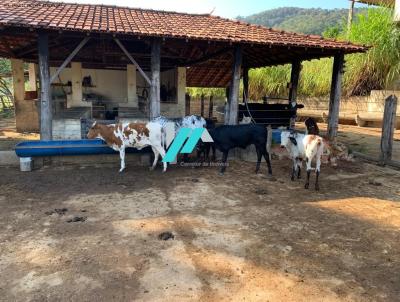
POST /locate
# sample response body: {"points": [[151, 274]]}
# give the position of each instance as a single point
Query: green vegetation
{"points": [[5, 84], [301, 20], [376, 69]]}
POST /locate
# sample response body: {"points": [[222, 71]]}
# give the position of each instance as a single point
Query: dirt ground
{"points": [[239, 237]]}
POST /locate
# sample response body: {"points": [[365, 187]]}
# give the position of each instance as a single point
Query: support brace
{"points": [[69, 59], [133, 60]]}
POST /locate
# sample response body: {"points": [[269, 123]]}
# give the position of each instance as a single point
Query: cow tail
{"points": [[269, 139]]}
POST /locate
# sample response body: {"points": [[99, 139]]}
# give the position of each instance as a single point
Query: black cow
{"points": [[228, 137]]}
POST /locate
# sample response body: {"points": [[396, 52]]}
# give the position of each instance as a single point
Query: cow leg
{"points": [[213, 152], [122, 157], [293, 171], [161, 152], [317, 170], [259, 156], [156, 155], [299, 164], [308, 163], [224, 159], [266, 157]]}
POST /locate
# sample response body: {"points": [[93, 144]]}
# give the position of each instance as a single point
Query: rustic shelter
{"points": [[126, 61]]}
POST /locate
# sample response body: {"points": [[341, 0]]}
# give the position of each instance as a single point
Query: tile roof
{"points": [[142, 22]]}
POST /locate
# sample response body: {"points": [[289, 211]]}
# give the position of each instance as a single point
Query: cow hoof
{"points": [[306, 186], [292, 178], [316, 187], [121, 170], [221, 173], [151, 168]]}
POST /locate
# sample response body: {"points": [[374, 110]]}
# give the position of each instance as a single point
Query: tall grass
{"points": [[376, 69]]}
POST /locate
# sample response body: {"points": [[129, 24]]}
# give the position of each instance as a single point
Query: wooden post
{"points": [[46, 114], [245, 84], [336, 93], [155, 78], [211, 107], [233, 100], [187, 104], [226, 109], [202, 105], [294, 81], [388, 126]]}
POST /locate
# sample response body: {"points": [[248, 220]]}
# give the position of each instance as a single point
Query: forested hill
{"points": [[301, 20]]}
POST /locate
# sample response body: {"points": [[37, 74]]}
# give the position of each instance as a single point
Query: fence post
{"points": [[388, 126]]}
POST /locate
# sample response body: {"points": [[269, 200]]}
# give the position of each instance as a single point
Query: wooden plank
{"points": [[211, 107], [336, 93], [133, 60], [69, 58], [245, 84], [155, 78], [202, 105], [46, 114], [388, 126], [234, 88]]}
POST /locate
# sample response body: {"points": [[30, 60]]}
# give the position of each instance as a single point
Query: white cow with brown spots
{"points": [[304, 147], [136, 135]]}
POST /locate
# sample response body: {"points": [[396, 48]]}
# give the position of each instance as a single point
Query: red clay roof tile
{"points": [[101, 18]]}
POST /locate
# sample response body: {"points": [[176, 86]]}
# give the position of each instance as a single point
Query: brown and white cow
{"points": [[136, 135]]}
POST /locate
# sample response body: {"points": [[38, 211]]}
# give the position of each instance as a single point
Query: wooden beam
{"points": [[155, 78], [294, 81], [69, 58], [133, 60], [46, 116], [245, 84], [336, 93], [208, 57], [388, 126], [233, 100]]}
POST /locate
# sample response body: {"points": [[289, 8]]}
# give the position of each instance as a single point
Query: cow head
{"points": [[94, 131], [286, 137]]}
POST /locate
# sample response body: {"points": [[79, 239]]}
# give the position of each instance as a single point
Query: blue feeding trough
{"points": [[276, 136], [68, 147]]}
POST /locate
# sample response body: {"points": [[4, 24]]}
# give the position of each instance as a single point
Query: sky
{"points": [[224, 8]]}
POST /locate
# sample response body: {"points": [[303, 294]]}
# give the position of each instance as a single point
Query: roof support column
{"points": [[245, 84], [293, 88], [234, 87], [336, 93], [294, 81], [155, 78], [46, 114]]}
